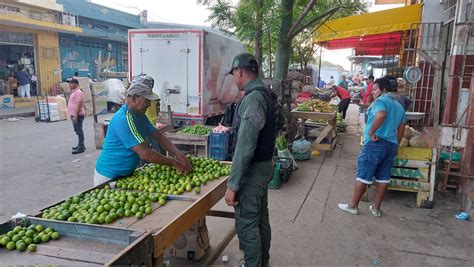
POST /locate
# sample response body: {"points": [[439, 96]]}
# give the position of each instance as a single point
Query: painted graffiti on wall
{"points": [[73, 61]]}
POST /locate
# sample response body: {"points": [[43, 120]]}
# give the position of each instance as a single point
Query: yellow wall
{"points": [[47, 55]]}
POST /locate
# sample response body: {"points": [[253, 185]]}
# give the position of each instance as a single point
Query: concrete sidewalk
{"points": [[309, 230]]}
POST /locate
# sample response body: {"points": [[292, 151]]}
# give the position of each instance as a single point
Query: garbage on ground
{"points": [[463, 216], [15, 119]]}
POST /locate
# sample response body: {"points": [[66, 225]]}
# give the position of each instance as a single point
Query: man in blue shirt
{"points": [[23, 83], [382, 133], [125, 143], [321, 83]]}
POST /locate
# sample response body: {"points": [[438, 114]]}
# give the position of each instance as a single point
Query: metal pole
{"points": [[320, 61]]}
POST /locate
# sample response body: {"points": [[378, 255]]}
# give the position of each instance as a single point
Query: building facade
{"points": [[29, 39], [102, 45]]}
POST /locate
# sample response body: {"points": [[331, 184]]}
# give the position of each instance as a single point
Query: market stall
{"points": [[81, 219], [319, 112], [393, 34]]}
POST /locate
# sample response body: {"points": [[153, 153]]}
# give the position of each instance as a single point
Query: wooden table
{"points": [[167, 223], [329, 131]]}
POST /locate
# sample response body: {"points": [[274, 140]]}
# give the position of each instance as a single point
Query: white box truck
{"points": [[190, 68]]}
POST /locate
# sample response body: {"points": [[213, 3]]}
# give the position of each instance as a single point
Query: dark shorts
{"points": [[375, 161]]}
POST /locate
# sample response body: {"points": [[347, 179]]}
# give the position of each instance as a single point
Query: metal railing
{"points": [[63, 18], [449, 7]]}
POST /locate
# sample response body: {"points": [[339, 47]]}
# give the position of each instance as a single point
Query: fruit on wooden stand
{"points": [[166, 180], [134, 195], [103, 206]]}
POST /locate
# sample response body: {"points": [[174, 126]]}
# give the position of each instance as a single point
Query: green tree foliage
{"points": [[278, 30]]}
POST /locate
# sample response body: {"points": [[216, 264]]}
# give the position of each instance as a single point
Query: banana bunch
{"points": [[315, 105]]}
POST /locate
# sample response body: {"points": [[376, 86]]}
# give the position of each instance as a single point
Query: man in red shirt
{"points": [[76, 111], [345, 97], [367, 98]]}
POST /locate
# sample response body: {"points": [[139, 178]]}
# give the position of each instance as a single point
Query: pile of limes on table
{"points": [[166, 180], [26, 238], [102, 206]]}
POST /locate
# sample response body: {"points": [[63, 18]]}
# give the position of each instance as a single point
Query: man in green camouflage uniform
{"points": [[253, 142]]}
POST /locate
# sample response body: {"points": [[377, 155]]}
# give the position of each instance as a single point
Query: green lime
{"points": [[32, 248], [36, 239], [39, 228], [16, 237], [29, 240], [49, 230], [109, 219], [10, 234], [17, 229], [162, 202], [139, 215], [5, 240], [45, 238], [197, 189], [20, 246], [29, 233], [148, 210], [11, 245], [55, 235]]}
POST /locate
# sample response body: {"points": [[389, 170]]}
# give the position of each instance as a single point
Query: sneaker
{"points": [[79, 147], [376, 213], [346, 208]]}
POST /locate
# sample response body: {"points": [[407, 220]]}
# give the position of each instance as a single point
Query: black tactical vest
{"points": [[266, 139]]}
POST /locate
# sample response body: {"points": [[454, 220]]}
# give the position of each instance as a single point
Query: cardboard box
{"points": [[88, 107], [7, 101], [99, 89], [83, 82], [193, 244], [87, 94], [56, 113], [100, 105]]}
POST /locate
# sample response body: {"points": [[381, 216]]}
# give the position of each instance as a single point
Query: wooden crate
{"points": [[329, 132], [411, 172], [192, 140]]}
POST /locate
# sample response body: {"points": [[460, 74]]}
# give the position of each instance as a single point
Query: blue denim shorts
{"points": [[375, 161]]}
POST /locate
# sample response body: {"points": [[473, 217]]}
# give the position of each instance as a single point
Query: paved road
{"points": [[37, 167]]}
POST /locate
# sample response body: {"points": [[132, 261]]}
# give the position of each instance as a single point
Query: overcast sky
{"points": [[173, 11], [188, 12]]}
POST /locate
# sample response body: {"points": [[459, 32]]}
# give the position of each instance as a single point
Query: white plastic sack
{"points": [[115, 90]]}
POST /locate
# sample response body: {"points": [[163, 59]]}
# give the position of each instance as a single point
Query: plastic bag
{"points": [[404, 142], [286, 154], [301, 149], [418, 141]]}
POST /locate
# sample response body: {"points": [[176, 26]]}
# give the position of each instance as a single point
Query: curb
{"points": [[21, 114]]}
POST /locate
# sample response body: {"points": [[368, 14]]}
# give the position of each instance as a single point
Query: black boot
{"points": [[79, 150]]}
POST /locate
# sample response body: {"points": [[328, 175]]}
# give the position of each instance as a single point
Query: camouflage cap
{"points": [[140, 89], [244, 60], [145, 79]]}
